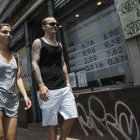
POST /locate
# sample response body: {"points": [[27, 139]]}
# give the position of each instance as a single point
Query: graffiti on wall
{"points": [[132, 28], [127, 6], [129, 13], [123, 116]]}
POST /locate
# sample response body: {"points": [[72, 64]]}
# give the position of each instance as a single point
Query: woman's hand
{"points": [[27, 102]]}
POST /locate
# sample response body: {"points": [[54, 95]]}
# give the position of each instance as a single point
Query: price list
{"points": [[102, 51]]}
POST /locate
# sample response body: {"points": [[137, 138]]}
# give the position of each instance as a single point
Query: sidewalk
{"points": [[27, 134], [35, 132]]}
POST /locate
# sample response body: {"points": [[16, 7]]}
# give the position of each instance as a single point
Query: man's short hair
{"points": [[44, 22], [5, 24]]}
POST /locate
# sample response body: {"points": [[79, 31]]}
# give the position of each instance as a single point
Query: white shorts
{"points": [[60, 100]]}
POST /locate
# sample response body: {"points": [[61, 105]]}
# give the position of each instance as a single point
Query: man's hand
{"points": [[27, 102], [44, 91], [68, 84]]}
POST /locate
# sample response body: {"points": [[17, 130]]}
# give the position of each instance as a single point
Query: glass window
{"points": [[96, 49]]}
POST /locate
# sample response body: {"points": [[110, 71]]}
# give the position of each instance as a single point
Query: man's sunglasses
{"points": [[53, 24]]}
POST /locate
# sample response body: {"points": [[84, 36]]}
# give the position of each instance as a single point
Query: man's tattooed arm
{"points": [[36, 47]]}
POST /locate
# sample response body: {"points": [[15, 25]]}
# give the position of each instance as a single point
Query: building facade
{"points": [[101, 42]]}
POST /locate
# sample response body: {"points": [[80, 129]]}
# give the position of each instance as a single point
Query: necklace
{"points": [[50, 41]]}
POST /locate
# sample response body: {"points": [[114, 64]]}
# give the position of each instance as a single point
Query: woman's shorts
{"points": [[60, 100], [9, 104]]}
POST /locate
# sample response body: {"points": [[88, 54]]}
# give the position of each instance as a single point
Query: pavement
{"points": [[27, 134], [34, 133]]}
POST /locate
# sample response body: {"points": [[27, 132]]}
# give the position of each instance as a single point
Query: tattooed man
{"points": [[55, 93]]}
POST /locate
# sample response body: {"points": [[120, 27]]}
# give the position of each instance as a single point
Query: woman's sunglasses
{"points": [[53, 24]]}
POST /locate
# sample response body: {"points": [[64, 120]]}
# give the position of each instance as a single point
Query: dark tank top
{"points": [[51, 67]]}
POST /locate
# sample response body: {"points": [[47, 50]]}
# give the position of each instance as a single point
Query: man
{"points": [[53, 82]]}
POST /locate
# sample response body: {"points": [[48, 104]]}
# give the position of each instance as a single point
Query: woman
{"points": [[9, 77]]}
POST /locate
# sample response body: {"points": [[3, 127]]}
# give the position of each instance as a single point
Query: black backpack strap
{"points": [[16, 57]]}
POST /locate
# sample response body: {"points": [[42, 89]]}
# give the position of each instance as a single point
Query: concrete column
{"points": [[30, 72], [50, 8], [133, 48]]}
